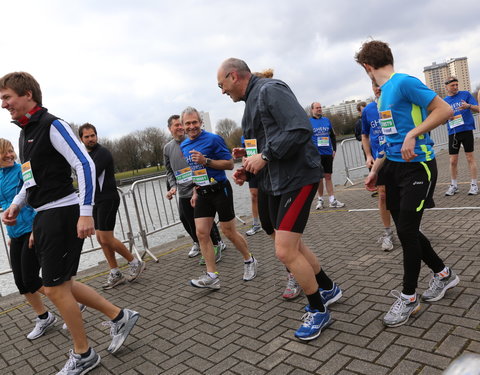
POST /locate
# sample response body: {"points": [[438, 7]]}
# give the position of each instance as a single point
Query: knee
{"points": [[327, 176], [52, 293], [283, 255], [203, 235], [228, 231]]}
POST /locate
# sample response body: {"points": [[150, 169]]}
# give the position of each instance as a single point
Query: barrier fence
{"points": [[143, 212], [353, 156]]}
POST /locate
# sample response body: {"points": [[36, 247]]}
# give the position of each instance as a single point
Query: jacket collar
{"points": [[30, 116], [253, 80]]}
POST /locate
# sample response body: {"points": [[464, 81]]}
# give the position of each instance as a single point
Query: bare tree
{"points": [[153, 139], [225, 128]]}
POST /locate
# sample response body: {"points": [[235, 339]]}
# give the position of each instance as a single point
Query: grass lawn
{"points": [[140, 172]]}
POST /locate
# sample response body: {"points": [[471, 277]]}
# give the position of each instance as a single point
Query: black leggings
{"points": [[416, 247], [186, 216]]}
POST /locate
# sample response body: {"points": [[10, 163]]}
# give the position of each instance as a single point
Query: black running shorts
{"points": [[456, 140], [105, 214]]}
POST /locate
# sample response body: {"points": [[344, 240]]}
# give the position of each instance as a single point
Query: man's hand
{"points": [[369, 162], [240, 176], [85, 227], [408, 148], [31, 241], [254, 163], [171, 193], [198, 157], [9, 217], [371, 181], [238, 152], [464, 105]]}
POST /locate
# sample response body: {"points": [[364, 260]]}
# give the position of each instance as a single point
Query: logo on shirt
{"points": [[30, 140], [417, 182]]}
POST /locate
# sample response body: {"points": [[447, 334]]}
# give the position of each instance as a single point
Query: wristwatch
{"points": [[264, 157], [208, 161]]}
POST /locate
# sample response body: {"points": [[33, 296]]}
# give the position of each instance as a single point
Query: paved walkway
{"points": [[246, 327]]}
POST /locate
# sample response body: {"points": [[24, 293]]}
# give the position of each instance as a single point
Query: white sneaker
{"points": [[134, 270], [194, 251], [253, 230], [250, 270], [452, 189], [473, 190], [319, 204], [387, 242], [336, 204], [41, 325]]}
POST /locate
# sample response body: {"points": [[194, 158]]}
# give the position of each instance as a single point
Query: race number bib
{"points": [[455, 121], [200, 177], [323, 141], [183, 176], [27, 174], [251, 147], [388, 125]]}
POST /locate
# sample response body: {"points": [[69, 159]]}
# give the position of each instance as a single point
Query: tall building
{"points": [[437, 74], [345, 108]]}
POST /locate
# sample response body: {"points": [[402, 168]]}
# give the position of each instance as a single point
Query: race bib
{"points": [[388, 125], [251, 147], [27, 174], [200, 177], [323, 141], [456, 121], [183, 176]]}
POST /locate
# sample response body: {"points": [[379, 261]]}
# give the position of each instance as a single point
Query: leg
{"points": [[454, 167], [382, 207], [110, 246], [254, 202], [320, 188], [35, 300], [231, 232], [329, 184], [472, 165], [215, 234], [204, 227], [186, 216]]}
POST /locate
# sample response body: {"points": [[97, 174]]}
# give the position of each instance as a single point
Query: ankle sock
{"points": [[87, 353], [444, 273], [133, 262], [118, 317], [213, 275], [409, 297], [44, 315]]}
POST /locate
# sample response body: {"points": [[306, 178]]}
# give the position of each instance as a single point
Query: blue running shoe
{"points": [[313, 323], [330, 296]]}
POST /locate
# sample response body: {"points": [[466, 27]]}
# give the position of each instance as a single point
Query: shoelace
{"points": [[291, 283], [71, 363], [113, 327], [307, 319], [399, 303], [435, 283]]}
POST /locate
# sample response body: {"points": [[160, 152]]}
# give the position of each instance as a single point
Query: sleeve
{"points": [[333, 138], [171, 181], [471, 100], [221, 150], [358, 129], [365, 123], [102, 160], [291, 129], [65, 142], [416, 92]]}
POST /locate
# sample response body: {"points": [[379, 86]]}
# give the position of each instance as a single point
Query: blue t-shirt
{"points": [[321, 135], [371, 127], [403, 106], [213, 147], [463, 119]]}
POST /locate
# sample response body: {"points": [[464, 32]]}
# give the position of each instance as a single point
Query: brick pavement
{"points": [[246, 327]]}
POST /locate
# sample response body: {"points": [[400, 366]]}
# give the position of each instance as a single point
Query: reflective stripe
{"points": [[429, 175]]}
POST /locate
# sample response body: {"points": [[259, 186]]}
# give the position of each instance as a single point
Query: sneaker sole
{"points": [[213, 287], [450, 285], [472, 194], [107, 287], [128, 328], [390, 248], [251, 234], [51, 325], [414, 311], [334, 299], [330, 321], [87, 370], [194, 255]]}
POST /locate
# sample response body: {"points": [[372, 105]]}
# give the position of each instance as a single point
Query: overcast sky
{"points": [[126, 65]]}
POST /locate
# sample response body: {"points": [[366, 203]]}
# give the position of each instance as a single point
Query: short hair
{"points": [[170, 120], [451, 79], [267, 73], [238, 65], [21, 82], [361, 105], [190, 110], [85, 127], [375, 53], [5, 145], [311, 105]]}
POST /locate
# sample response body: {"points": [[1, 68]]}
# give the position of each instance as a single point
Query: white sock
{"points": [[133, 262], [444, 273], [454, 183], [411, 298], [331, 198], [213, 275], [114, 271], [249, 260], [474, 181], [256, 221], [320, 199]]}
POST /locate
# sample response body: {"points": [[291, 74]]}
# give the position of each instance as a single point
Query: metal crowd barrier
{"points": [[353, 158]]}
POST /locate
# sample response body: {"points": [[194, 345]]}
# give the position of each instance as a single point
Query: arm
{"points": [[371, 180], [368, 150], [64, 141], [440, 112], [172, 181], [199, 158], [286, 124], [333, 139]]}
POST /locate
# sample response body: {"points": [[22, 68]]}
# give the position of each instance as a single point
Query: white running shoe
{"points": [[41, 325], [194, 251], [473, 190], [319, 204], [452, 189], [336, 204], [387, 242]]}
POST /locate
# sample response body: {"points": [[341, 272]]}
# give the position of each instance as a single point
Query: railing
{"points": [[353, 158]]}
